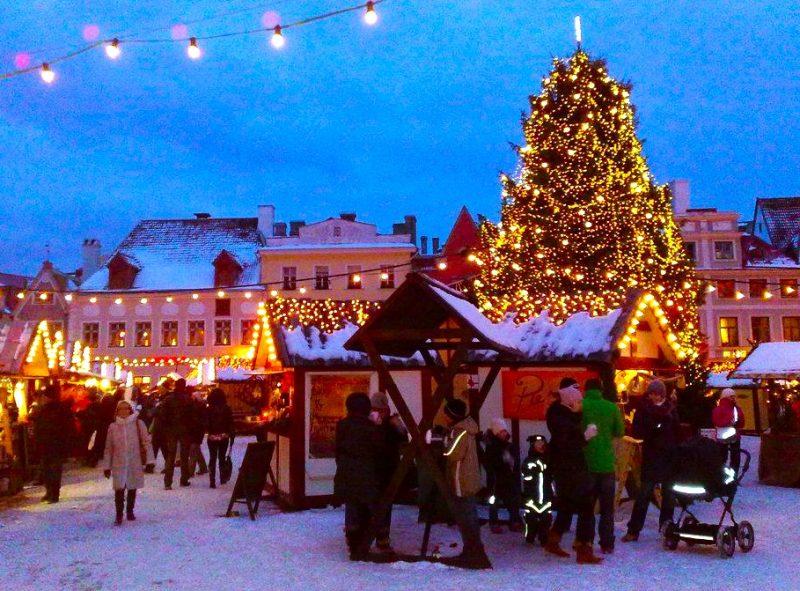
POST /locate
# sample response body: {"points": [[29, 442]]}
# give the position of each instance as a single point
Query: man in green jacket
{"points": [[604, 416]]}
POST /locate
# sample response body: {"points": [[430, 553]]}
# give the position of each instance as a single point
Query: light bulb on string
{"points": [[112, 49], [277, 41], [370, 17], [193, 50], [47, 74]]}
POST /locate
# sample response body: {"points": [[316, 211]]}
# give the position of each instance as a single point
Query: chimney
{"points": [[411, 225], [266, 220], [92, 259], [423, 245], [294, 227], [348, 217], [279, 229], [435, 246], [680, 195], [202, 216]]}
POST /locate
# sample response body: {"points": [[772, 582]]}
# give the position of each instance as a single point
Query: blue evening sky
{"points": [[411, 116]]}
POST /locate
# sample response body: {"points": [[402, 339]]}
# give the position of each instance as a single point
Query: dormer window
{"points": [[122, 271], [227, 270], [337, 231]]}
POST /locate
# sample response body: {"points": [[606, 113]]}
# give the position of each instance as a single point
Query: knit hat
{"points": [[379, 401], [498, 425], [656, 387], [456, 409], [358, 404], [124, 403], [728, 393]]}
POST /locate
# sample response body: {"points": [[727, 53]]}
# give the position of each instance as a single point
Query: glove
{"points": [[591, 431], [107, 473]]}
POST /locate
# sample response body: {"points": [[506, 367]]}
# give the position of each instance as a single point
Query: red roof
{"points": [[464, 237], [782, 219]]}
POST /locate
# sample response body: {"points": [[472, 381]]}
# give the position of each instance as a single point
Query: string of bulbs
{"points": [[787, 287], [113, 46]]}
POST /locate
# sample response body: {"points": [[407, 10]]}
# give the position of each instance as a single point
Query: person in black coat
{"points": [[55, 430], [501, 462], [356, 482], [219, 424], [197, 431], [571, 474], [174, 420], [656, 423]]}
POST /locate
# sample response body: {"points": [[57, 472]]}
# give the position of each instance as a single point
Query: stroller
{"points": [[701, 474]]}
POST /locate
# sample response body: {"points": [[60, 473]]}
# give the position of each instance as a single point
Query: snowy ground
{"points": [[179, 542]]}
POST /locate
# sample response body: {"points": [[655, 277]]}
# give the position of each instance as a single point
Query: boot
{"points": [[354, 539], [630, 537], [586, 554], [471, 558], [553, 545], [131, 504], [212, 478], [119, 503]]}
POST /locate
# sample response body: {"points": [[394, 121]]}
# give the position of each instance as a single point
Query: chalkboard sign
{"points": [[252, 477]]}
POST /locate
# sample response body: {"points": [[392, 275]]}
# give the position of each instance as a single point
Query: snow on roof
{"points": [[233, 374], [758, 253], [179, 254], [770, 360], [337, 246], [721, 380], [782, 218]]}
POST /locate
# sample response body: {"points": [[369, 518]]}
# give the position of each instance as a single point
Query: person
{"points": [[219, 422], [196, 426], [728, 418], [106, 409], [600, 455], [175, 423], [573, 483], [89, 419], [501, 461], [356, 480], [55, 430], [657, 424], [392, 435], [128, 450], [537, 491], [464, 480]]}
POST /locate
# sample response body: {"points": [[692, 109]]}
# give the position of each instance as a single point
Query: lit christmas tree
{"points": [[582, 223]]}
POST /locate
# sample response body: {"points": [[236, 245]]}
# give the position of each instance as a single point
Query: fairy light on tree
{"points": [[582, 222]]}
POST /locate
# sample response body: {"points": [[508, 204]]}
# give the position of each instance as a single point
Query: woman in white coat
{"points": [[128, 451]]}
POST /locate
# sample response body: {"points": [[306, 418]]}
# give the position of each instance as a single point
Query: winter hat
{"points": [[499, 425], [124, 403], [567, 382], [656, 387], [569, 392], [358, 404], [379, 401], [728, 393], [456, 409]]}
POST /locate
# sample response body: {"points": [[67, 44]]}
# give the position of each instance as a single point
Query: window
{"points": [[169, 333], [91, 334], [726, 288], [791, 328], [222, 307], [143, 334], [116, 334], [247, 331], [729, 331], [290, 278], [691, 250], [337, 231], [197, 333], [354, 277], [759, 326], [723, 250], [757, 288], [322, 278], [788, 288], [387, 277], [222, 332]]}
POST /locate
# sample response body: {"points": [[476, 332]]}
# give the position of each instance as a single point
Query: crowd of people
{"points": [[575, 472]]}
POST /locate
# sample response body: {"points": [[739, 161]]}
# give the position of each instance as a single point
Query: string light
{"points": [[193, 50], [277, 41], [112, 49], [47, 74], [370, 16]]}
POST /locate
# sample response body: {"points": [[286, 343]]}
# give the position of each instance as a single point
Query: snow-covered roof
{"points": [[338, 246], [758, 253], [721, 380], [179, 254], [770, 360], [781, 215]]}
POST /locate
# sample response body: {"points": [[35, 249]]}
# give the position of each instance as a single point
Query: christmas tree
{"points": [[582, 222]]}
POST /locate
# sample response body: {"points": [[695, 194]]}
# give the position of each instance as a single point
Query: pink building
{"points": [[753, 273]]}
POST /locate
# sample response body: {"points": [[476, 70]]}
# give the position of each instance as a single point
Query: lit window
{"points": [[729, 331], [169, 333], [247, 331], [726, 288], [91, 334], [143, 334], [197, 333], [290, 278], [322, 277], [791, 328], [222, 332], [116, 334], [354, 279], [387, 277]]}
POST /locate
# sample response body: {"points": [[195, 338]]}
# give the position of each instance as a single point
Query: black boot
{"points": [[212, 477], [119, 503], [355, 538], [131, 505]]}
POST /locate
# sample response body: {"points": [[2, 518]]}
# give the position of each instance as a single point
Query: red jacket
{"points": [[727, 414]]}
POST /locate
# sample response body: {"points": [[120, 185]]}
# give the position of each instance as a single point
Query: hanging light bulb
{"points": [[370, 17], [193, 51], [277, 40], [112, 49], [47, 74]]}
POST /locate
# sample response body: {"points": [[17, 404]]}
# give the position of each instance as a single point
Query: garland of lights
{"points": [[582, 223]]}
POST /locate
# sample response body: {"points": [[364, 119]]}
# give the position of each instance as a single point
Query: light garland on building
{"points": [[327, 315]]}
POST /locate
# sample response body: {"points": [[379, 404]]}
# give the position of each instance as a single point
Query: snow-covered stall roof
{"points": [[180, 254], [721, 380], [770, 360]]}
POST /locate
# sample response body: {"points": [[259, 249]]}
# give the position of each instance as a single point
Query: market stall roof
{"points": [[770, 361], [721, 380], [15, 339]]}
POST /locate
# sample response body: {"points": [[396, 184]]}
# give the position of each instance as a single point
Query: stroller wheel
{"points": [[726, 542], [746, 536], [671, 536], [689, 521]]}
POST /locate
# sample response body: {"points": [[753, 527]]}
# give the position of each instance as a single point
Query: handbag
{"points": [[226, 466], [142, 450]]}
